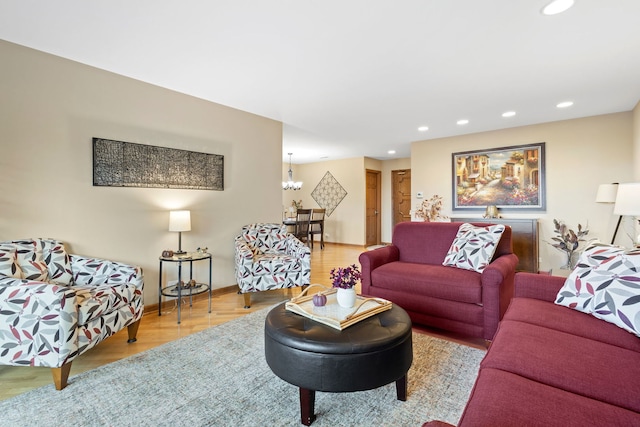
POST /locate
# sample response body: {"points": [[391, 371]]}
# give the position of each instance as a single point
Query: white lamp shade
{"points": [[180, 221], [628, 199], [607, 193]]}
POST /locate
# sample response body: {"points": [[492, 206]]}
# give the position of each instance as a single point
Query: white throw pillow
{"points": [[30, 260], [606, 284], [57, 260], [473, 247]]}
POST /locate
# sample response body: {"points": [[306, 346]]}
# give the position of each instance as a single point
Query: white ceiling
{"points": [[356, 77]]}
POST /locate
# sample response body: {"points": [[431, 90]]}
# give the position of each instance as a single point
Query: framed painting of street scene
{"points": [[511, 178]]}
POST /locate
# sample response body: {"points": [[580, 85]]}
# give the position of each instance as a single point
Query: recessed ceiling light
{"points": [[509, 114], [462, 122], [557, 6], [423, 128], [391, 152], [565, 104]]}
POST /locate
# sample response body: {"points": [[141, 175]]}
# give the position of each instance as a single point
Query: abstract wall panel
{"points": [[126, 164]]}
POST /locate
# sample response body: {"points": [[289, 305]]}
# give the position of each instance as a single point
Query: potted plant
{"points": [[345, 280]]}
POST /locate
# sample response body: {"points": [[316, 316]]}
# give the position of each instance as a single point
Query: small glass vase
{"points": [[346, 297], [572, 260]]}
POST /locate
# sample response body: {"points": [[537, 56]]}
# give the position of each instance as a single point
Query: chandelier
{"points": [[291, 184]]}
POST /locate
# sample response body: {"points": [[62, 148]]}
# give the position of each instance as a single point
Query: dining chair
{"points": [[303, 218], [317, 227]]}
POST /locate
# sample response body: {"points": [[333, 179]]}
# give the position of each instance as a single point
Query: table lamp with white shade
{"points": [[180, 221], [628, 199], [607, 194]]}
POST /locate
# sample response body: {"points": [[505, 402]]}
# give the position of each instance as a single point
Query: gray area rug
{"points": [[219, 377]]}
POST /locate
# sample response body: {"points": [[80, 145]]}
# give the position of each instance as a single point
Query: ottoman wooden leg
{"points": [[307, 406], [401, 388]]}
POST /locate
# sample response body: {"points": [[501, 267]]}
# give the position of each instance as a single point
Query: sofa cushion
{"points": [[275, 263], [434, 281], [606, 284], [266, 238], [57, 260], [578, 365], [501, 398], [473, 247], [31, 261], [97, 301], [552, 316], [8, 264]]}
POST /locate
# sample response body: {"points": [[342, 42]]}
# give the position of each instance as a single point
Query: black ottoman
{"points": [[315, 357]]}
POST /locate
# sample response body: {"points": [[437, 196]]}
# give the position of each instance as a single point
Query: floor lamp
{"points": [[628, 200], [607, 194]]}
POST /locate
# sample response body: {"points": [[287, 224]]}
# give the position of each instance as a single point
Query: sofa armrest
{"points": [[497, 291], [370, 260], [38, 323], [538, 286], [243, 253], [297, 249], [96, 271]]}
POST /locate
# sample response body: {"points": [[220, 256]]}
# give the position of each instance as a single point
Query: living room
{"points": [[71, 106], [52, 107]]}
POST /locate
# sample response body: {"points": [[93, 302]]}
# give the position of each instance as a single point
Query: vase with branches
{"points": [[568, 241], [430, 210]]}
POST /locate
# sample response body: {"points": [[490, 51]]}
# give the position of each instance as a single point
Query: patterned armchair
{"points": [[267, 257], [55, 306]]}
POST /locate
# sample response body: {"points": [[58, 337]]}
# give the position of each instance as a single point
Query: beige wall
{"points": [[50, 109], [580, 154], [346, 223], [353, 231], [636, 142]]}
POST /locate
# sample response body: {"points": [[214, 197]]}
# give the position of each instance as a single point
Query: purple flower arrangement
{"points": [[345, 278]]}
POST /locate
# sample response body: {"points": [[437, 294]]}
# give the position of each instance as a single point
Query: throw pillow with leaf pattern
{"points": [[473, 247], [8, 264], [606, 284]]}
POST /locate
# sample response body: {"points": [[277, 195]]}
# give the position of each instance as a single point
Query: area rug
{"points": [[219, 377]]}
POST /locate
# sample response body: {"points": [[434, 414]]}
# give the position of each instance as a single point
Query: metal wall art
{"points": [[328, 193], [126, 164], [507, 177]]}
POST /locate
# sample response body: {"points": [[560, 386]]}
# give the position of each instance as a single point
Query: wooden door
{"points": [[373, 202], [401, 195]]}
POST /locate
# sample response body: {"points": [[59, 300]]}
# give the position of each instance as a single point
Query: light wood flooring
{"points": [[156, 330]]}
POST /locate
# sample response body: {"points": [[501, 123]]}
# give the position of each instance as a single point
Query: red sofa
{"points": [[550, 365], [409, 272]]}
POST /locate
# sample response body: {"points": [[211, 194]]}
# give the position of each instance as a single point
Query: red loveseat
{"points": [[550, 365], [409, 272]]}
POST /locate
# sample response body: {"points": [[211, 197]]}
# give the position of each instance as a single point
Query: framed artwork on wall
{"points": [[127, 164], [511, 178]]}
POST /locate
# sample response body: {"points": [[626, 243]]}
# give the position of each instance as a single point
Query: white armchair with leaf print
{"points": [[267, 257], [55, 306]]}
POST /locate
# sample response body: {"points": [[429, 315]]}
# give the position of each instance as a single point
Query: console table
{"points": [[180, 289], [524, 237]]}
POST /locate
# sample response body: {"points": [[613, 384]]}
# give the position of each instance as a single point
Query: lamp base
{"points": [[179, 252]]}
